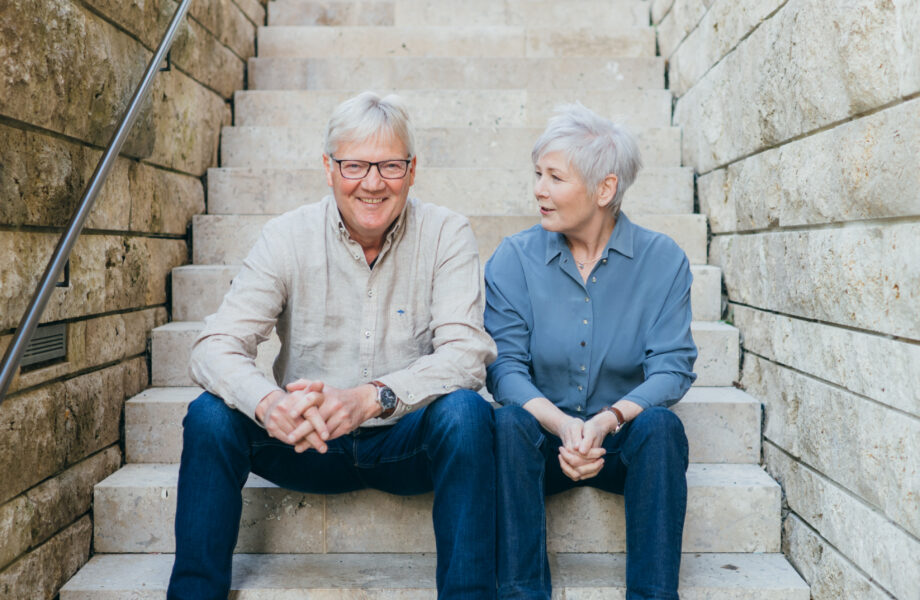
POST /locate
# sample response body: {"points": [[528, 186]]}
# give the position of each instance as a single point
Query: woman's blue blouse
{"points": [[623, 334]]}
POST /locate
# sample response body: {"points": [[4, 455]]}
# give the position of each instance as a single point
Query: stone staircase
{"points": [[481, 77]]}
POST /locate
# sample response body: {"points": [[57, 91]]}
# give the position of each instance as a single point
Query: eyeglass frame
{"points": [[377, 164]]}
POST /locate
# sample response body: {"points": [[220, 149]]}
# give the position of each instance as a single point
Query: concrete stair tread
{"points": [[450, 72], [456, 107], [730, 508], [493, 147], [197, 291], [480, 40], [600, 13], [411, 577], [722, 424], [469, 191], [226, 239]]}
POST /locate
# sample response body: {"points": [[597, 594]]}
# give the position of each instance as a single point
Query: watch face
{"points": [[387, 397]]}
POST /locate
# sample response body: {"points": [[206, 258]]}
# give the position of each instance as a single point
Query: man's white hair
{"points": [[368, 116], [594, 146]]}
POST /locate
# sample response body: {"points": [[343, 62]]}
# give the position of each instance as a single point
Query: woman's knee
{"points": [[659, 430]]}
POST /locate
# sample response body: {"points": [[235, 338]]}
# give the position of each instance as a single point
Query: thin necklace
{"points": [[581, 265]]}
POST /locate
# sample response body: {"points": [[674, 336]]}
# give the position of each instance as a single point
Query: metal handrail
{"points": [[30, 320]]}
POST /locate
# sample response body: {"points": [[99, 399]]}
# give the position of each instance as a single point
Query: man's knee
{"points": [[210, 421], [462, 415]]}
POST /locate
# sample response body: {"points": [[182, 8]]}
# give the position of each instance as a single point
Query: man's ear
{"points": [[411, 174], [606, 190], [327, 165]]}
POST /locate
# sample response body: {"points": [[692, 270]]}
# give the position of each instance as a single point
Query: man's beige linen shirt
{"points": [[414, 321]]}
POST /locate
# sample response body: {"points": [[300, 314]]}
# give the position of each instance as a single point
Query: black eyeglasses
{"points": [[358, 169]]}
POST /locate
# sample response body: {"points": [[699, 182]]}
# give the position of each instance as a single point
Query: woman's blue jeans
{"points": [[446, 447], [646, 462]]}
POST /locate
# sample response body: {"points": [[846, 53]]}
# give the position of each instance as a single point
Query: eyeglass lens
{"points": [[388, 169]]}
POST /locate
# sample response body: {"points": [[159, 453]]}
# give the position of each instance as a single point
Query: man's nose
{"points": [[373, 180]]}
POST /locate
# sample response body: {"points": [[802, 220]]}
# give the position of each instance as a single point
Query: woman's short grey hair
{"points": [[594, 146], [367, 116]]}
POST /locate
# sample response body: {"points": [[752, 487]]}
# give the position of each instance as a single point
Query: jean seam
{"points": [[395, 459]]}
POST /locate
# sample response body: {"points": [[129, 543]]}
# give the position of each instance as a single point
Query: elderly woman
{"points": [[591, 315]]}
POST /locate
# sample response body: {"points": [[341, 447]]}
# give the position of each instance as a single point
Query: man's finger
{"points": [[319, 425], [311, 441], [568, 470]]}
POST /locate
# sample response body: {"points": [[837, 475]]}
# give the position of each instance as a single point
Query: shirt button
{"points": [[411, 397], [582, 367], [580, 388], [370, 293], [582, 343], [364, 373], [367, 334]]}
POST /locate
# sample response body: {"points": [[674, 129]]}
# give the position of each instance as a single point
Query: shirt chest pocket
{"points": [[408, 337]]}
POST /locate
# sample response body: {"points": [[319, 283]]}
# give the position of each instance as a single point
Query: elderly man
{"points": [[377, 301]]}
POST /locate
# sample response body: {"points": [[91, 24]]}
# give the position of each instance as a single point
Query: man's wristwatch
{"points": [[386, 398]]}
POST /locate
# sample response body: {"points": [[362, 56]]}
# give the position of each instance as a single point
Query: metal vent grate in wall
{"points": [[48, 343]]}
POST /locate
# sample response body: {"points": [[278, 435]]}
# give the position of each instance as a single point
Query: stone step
{"points": [[488, 73], [758, 576], [722, 424], [171, 347], [418, 13], [730, 508], [484, 41], [197, 291], [464, 147], [472, 192], [643, 109], [227, 239], [716, 366]]}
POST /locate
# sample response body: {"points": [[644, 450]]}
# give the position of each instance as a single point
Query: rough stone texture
{"points": [[876, 366], [721, 28], [96, 341], [42, 572], [457, 108], [497, 41], [508, 148], [195, 50], [42, 179], [333, 13], [706, 293], [680, 20], [829, 574], [849, 58], [730, 508], [864, 169], [855, 529], [55, 426], [717, 363], [254, 10], [228, 23], [452, 72], [412, 577], [81, 82], [153, 424], [879, 461], [30, 519], [106, 273], [865, 276], [188, 118]]}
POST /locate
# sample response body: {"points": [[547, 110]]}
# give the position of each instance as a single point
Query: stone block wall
{"points": [[802, 121], [68, 69]]}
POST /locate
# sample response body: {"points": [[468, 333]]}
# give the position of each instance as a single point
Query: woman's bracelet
{"points": [[619, 416]]}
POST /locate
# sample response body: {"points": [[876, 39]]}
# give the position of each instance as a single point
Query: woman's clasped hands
{"points": [[581, 455]]}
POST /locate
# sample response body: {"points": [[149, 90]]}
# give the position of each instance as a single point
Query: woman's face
{"points": [[562, 196]]}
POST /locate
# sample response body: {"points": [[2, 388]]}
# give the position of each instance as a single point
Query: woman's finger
{"points": [[568, 470]]}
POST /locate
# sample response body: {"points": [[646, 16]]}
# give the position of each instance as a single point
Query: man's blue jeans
{"points": [[646, 462], [446, 447]]}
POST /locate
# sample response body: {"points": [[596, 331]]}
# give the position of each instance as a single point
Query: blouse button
{"points": [[594, 280], [587, 299], [582, 367], [604, 261], [578, 408], [580, 388], [584, 321]]}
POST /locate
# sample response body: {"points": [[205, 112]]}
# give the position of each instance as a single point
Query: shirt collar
{"points": [[621, 240], [334, 219]]}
